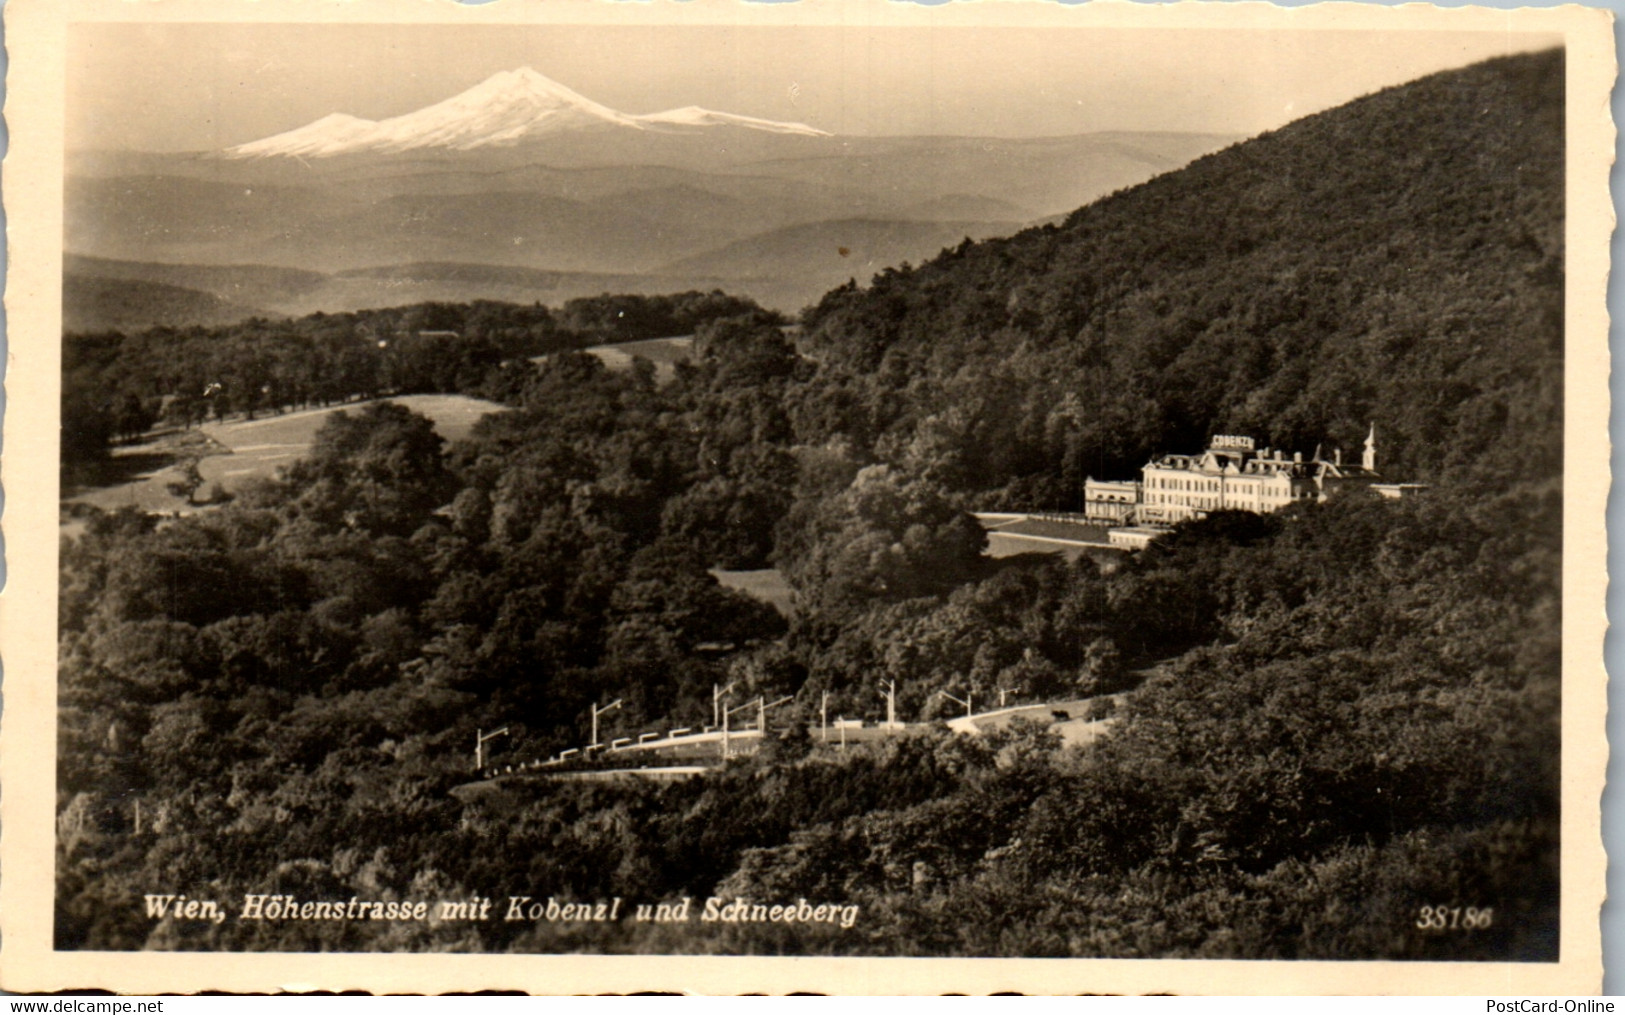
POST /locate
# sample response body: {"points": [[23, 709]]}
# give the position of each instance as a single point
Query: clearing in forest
{"points": [[238, 450]]}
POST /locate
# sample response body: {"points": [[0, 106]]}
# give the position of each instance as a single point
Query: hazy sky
{"points": [[163, 87]]}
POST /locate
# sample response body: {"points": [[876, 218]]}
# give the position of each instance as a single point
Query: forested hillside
{"points": [[117, 383], [1398, 261], [1332, 719]]}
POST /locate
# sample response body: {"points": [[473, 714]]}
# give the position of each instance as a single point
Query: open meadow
{"points": [[235, 451], [766, 584], [664, 353]]}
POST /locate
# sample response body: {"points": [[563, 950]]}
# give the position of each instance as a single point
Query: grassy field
{"points": [[237, 451], [664, 353], [768, 585], [1044, 527], [258, 448], [138, 474], [1009, 535]]}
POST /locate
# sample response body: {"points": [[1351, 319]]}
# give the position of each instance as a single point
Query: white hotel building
{"points": [[1231, 475]]}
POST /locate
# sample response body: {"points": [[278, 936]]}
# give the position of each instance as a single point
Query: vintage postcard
{"points": [[729, 497]]}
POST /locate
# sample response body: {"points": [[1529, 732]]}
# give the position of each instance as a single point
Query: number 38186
{"points": [[1454, 918]]}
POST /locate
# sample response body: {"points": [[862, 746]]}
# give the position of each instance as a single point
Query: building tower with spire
{"points": [[1369, 461]]}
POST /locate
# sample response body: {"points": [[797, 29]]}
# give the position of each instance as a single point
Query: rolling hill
{"points": [[91, 303], [254, 284], [822, 255]]}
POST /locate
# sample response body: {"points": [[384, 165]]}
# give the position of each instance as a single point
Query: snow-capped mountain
{"points": [[504, 109]]}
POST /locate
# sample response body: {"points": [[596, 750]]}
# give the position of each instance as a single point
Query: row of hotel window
{"points": [[1212, 485]]}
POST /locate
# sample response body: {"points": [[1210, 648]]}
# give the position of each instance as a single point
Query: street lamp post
{"points": [[720, 713], [717, 694], [966, 700], [480, 737], [596, 712]]}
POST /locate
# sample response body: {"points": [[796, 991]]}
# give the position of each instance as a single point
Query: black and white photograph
{"points": [[862, 486]]}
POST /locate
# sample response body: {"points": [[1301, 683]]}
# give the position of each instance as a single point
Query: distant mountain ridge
{"points": [[521, 172], [503, 110], [100, 294]]}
